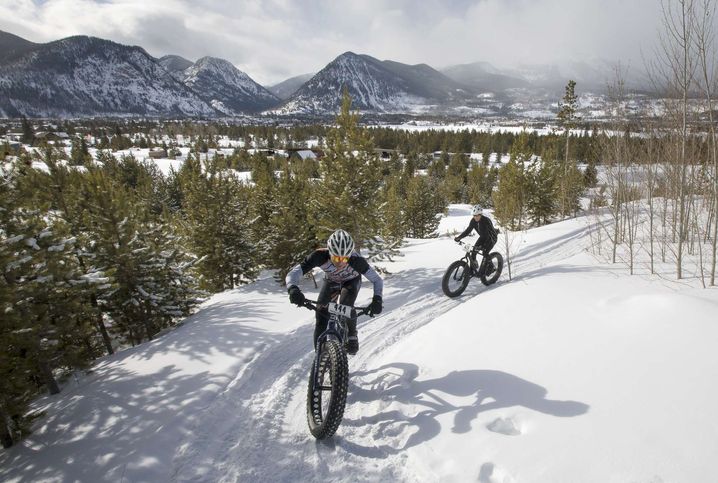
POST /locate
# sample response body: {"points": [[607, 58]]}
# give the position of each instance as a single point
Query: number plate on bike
{"points": [[339, 309]]}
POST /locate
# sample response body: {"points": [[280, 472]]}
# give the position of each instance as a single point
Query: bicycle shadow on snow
{"points": [[399, 383]]}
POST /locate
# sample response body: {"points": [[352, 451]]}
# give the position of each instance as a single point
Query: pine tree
{"points": [[347, 195], [294, 233], [79, 154], [509, 197], [568, 119], [454, 184], [141, 259], [45, 324], [480, 184], [62, 189], [28, 135], [217, 226], [394, 210], [541, 202], [512, 192], [422, 208], [263, 206]]}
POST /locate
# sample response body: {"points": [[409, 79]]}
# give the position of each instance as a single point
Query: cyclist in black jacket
{"points": [[343, 268], [487, 234]]}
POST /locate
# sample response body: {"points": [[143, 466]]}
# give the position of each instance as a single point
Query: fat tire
{"points": [[498, 261], [332, 358], [450, 273]]}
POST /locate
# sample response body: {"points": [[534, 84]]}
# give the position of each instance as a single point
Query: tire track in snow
{"points": [[261, 413]]}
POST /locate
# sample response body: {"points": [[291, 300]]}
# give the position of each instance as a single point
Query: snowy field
{"points": [[574, 371]]}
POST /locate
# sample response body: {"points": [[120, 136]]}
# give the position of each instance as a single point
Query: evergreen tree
{"points": [[79, 154], [217, 226], [541, 202], [62, 189], [421, 208], [140, 257], [512, 192], [509, 197], [263, 206], [294, 233], [45, 322], [454, 184], [348, 193], [568, 119], [480, 185], [394, 210], [28, 135], [590, 175]]}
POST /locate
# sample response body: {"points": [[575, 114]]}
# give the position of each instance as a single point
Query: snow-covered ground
{"points": [[573, 371]]}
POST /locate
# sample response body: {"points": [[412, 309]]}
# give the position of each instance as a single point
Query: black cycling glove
{"points": [[375, 306], [296, 296]]}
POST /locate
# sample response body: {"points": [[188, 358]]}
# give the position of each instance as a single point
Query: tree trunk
{"points": [[5, 434], [48, 378], [105, 335]]}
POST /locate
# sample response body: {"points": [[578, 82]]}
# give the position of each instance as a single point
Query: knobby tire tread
{"points": [[320, 427]]}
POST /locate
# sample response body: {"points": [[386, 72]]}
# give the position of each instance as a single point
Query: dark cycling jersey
{"points": [[485, 229]]}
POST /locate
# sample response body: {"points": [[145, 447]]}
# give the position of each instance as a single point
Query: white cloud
{"points": [[275, 39]]}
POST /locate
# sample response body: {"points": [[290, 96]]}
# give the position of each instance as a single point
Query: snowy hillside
{"points": [[573, 371], [81, 75]]}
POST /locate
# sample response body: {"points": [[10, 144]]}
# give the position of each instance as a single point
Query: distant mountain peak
{"points": [[374, 85], [175, 63], [227, 88]]}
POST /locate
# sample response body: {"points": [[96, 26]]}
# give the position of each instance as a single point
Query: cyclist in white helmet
{"points": [[343, 268], [487, 233]]}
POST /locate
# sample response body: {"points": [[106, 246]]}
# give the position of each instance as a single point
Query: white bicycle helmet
{"points": [[477, 210], [340, 244]]}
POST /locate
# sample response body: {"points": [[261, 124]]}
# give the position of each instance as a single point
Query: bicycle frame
{"points": [[469, 249]]}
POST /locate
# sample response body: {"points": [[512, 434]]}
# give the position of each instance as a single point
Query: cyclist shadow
{"points": [[398, 384]]}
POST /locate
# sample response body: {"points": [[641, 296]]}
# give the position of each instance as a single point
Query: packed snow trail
{"points": [[265, 412]]}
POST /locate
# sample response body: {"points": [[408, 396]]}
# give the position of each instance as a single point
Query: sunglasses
{"points": [[337, 259]]}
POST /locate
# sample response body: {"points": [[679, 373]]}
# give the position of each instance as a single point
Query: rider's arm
{"points": [[362, 266], [315, 259], [467, 232]]}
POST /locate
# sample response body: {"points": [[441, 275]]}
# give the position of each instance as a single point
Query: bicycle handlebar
{"points": [[314, 305], [476, 249]]}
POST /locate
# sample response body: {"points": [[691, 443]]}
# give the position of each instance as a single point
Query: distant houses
{"points": [[158, 153], [302, 154]]}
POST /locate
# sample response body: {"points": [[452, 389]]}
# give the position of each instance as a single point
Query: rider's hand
{"points": [[296, 296], [375, 306]]}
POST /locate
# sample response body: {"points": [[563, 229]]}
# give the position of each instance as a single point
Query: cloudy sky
{"points": [[272, 40]]}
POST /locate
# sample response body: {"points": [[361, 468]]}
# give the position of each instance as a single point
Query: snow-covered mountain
{"points": [[574, 371], [175, 65], [227, 88], [12, 46], [87, 76], [374, 85], [286, 88]]}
